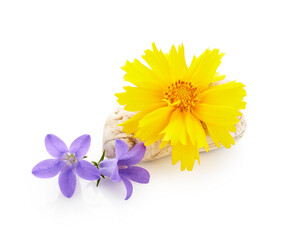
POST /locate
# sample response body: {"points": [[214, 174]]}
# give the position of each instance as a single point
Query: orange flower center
{"points": [[182, 95]]}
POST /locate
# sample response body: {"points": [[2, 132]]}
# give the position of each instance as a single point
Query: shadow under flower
{"points": [[79, 203], [112, 191]]}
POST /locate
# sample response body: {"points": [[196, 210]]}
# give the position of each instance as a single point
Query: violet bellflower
{"points": [[121, 168], [67, 162]]}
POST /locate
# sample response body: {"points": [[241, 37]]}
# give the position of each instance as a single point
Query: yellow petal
{"points": [[220, 134], [138, 99], [142, 76], [228, 94], [151, 126], [158, 63], [203, 69], [216, 114], [177, 63], [191, 70], [217, 77], [196, 132], [175, 132], [176, 153], [187, 154], [163, 144], [131, 125]]}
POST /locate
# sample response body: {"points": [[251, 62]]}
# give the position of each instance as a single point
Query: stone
{"points": [[113, 132]]}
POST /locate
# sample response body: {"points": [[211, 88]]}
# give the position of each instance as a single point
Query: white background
{"points": [[59, 69]]}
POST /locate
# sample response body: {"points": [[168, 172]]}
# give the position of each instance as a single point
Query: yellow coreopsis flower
{"points": [[178, 105]]}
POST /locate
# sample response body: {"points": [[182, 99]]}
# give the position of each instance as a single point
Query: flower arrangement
{"points": [[174, 104], [70, 162]]}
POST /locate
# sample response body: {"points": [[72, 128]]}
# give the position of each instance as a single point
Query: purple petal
{"points": [[67, 182], [80, 146], [55, 146], [108, 171], [87, 170], [128, 186], [136, 174], [109, 168], [121, 148], [115, 175], [48, 168], [134, 156], [109, 162]]}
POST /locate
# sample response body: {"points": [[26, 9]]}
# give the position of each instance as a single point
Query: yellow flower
{"points": [[178, 104]]}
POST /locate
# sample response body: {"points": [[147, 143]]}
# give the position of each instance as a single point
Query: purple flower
{"points": [[121, 167], [67, 162]]}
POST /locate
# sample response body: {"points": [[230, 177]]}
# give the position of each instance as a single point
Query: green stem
{"points": [[97, 166]]}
